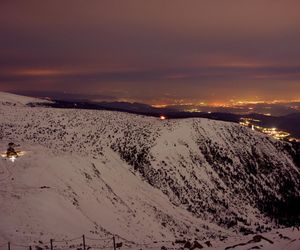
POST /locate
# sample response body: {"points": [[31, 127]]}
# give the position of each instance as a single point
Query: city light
{"points": [[273, 132]]}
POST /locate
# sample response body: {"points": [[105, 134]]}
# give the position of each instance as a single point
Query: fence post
{"points": [[83, 240], [8, 245], [114, 241], [51, 244]]}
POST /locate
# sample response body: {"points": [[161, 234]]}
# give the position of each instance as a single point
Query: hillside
{"points": [[139, 178], [17, 100]]}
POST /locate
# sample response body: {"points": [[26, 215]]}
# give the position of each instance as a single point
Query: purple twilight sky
{"points": [[154, 51]]}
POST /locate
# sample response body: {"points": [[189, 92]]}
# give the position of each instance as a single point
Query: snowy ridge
{"points": [[139, 178], [12, 99]]}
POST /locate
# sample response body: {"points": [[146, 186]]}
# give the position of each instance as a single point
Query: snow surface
{"points": [[146, 181], [9, 99]]}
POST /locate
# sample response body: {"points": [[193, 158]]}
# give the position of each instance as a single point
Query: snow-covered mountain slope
{"points": [[142, 179], [12, 99]]}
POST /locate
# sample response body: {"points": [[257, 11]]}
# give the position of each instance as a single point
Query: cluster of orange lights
{"points": [[274, 132], [231, 103]]}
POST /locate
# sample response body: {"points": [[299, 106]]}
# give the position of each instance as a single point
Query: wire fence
{"points": [[83, 243], [78, 243]]}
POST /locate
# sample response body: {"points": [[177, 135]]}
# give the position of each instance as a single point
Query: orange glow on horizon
{"points": [[228, 104], [160, 105]]}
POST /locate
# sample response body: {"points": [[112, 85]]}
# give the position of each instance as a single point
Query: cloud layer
{"points": [[152, 51]]}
